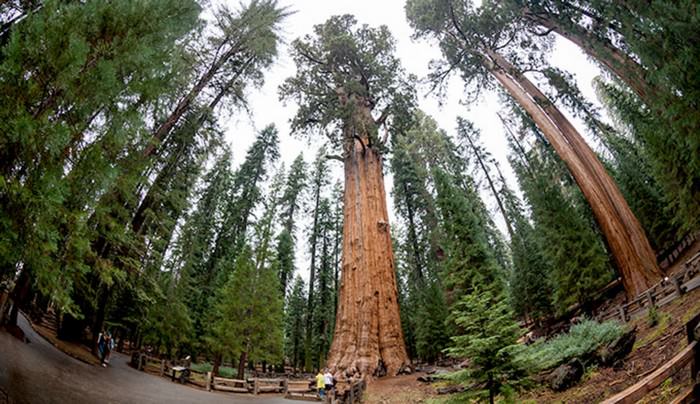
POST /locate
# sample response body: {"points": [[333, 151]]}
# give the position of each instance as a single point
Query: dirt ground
{"points": [[399, 389]]}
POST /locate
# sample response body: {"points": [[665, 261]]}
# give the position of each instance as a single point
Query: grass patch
{"points": [[591, 372], [224, 371], [581, 340], [661, 327], [691, 312]]}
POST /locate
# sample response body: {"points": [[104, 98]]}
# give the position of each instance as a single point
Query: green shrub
{"points": [[653, 316], [581, 340], [224, 371], [201, 367]]}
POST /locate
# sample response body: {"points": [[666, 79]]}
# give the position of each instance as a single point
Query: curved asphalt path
{"points": [[39, 373]]}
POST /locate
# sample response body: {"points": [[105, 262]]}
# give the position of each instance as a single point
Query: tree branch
{"points": [[310, 58], [334, 157], [385, 138], [538, 33], [383, 116]]}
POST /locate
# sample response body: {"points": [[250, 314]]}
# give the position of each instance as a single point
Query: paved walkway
{"points": [[39, 373]]}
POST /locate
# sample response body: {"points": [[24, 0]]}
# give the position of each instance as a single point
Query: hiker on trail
{"points": [[328, 381], [104, 346], [320, 384], [110, 347]]}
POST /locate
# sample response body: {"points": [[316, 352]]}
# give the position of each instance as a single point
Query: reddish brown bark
{"points": [[626, 239], [368, 337]]}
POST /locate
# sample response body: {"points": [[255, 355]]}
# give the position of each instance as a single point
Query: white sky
{"points": [[266, 107]]}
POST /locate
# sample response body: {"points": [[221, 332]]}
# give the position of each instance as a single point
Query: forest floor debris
{"points": [[399, 389]]}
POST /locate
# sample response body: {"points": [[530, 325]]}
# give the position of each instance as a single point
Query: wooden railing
{"points": [[669, 256], [225, 384], [301, 390], [658, 295], [269, 385], [689, 354], [351, 395]]}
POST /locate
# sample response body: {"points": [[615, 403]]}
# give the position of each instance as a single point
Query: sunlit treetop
{"points": [[346, 74]]}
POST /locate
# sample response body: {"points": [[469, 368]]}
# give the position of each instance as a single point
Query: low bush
{"points": [[205, 367], [580, 342]]}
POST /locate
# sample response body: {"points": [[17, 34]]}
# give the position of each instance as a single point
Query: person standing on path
{"points": [[108, 348], [102, 347], [328, 381], [320, 384]]}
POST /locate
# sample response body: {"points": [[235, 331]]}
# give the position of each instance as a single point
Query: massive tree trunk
{"points": [[368, 337], [630, 248]]}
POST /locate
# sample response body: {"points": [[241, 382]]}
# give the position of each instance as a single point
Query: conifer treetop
{"points": [[343, 66]]}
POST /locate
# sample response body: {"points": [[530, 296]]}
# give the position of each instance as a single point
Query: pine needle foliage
{"points": [[488, 339]]}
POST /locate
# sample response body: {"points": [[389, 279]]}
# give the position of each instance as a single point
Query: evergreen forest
{"points": [[392, 239]]}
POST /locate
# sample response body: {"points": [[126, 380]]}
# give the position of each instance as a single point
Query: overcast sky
{"points": [[415, 55]]}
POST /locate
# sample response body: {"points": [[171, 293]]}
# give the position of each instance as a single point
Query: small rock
{"points": [[566, 375], [425, 379]]}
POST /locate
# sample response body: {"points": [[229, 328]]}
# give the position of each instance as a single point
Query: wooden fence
{"points": [[225, 384], [257, 385], [301, 390], [667, 257], [688, 355], [658, 295], [292, 389], [354, 393]]}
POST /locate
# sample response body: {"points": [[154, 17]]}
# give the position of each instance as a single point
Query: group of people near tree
{"points": [[325, 383]]}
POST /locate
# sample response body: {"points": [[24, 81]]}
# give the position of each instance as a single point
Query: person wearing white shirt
{"points": [[328, 380]]}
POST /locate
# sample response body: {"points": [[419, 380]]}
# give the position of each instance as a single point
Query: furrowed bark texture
{"points": [[368, 337], [632, 253]]}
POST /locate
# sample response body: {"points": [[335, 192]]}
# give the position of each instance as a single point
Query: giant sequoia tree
{"points": [[350, 87], [474, 41]]}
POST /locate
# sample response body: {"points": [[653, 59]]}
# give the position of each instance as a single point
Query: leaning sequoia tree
{"points": [[478, 42], [350, 87]]}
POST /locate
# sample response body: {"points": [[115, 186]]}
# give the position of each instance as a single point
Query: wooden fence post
{"points": [[677, 284], [255, 386], [650, 297], [208, 381], [162, 367], [623, 315], [286, 386]]}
